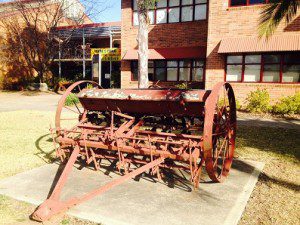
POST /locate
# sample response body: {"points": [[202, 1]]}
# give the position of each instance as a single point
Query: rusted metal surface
{"points": [[144, 130]]}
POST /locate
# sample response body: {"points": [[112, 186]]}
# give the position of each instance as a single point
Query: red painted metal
{"points": [[144, 130]]}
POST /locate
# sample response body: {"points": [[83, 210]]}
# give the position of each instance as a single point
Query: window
{"points": [[271, 70], [252, 68], [291, 68], [174, 11], [234, 68], [134, 70], [247, 2], [172, 70], [275, 68]]}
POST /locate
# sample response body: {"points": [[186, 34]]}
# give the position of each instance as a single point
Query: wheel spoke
{"points": [[71, 110], [77, 107]]}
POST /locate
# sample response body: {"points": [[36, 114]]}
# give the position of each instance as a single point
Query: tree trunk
{"points": [[41, 77], [143, 80]]}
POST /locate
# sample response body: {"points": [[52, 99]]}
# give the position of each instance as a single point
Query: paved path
{"points": [[146, 201], [12, 101]]}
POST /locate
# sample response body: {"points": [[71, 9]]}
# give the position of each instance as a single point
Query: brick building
{"points": [[202, 42]]}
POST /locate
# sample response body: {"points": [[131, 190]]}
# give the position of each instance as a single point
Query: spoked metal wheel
{"points": [[69, 110], [219, 131]]}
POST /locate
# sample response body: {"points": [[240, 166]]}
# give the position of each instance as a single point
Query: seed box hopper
{"points": [[151, 129]]}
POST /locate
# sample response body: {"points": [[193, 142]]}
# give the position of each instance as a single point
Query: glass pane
{"points": [[252, 73], [160, 63], [151, 16], [161, 16], [134, 69], [271, 58], [198, 63], [172, 74], [185, 63], [135, 19], [291, 73], [253, 2], [160, 73], [173, 2], [238, 2], [184, 74], [187, 13], [151, 74], [174, 15], [200, 12], [235, 59], [197, 74], [271, 73], [150, 64], [200, 1], [172, 64], [234, 73], [187, 2], [161, 3], [134, 5], [253, 59], [292, 58]]}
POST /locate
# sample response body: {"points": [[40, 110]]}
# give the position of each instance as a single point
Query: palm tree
{"points": [[274, 13]]}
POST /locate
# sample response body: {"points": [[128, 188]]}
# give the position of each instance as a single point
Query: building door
{"points": [[101, 72], [105, 75]]}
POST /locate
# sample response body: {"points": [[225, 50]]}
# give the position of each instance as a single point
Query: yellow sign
{"points": [[107, 54]]}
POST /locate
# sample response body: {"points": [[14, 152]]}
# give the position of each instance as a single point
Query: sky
{"points": [[101, 10], [105, 11]]}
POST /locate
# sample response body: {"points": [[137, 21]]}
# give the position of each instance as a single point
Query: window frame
{"points": [[180, 6], [281, 64], [247, 3], [178, 68]]}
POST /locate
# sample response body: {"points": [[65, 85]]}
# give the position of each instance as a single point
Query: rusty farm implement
{"points": [[142, 130]]}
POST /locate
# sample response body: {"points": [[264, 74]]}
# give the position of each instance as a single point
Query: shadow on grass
{"points": [[289, 185], [281, 141], [45, 155]]}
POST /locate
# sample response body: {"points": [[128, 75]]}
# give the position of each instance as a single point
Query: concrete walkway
{"points": [[145, 201], [13, 101]]}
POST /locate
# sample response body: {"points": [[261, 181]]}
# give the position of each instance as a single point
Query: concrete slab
{"points": [[145, 201]]}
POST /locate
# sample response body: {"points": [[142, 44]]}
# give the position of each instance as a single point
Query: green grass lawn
{"points": [[25, 143]]}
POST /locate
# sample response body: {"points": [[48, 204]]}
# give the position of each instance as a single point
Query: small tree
{"points": [[143, 8], [274, 13]]}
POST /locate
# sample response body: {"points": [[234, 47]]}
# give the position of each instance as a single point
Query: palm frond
{"points": [[274, 13]]}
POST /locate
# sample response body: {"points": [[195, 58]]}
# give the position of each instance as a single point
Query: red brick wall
{"points": [[226, 22], [160, 36]]}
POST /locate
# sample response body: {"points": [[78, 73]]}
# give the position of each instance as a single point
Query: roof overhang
{"points": [[276, 43], [169, 53]]}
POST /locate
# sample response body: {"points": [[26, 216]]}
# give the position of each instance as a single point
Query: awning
{"points": [[276, 43], [169, 53]]}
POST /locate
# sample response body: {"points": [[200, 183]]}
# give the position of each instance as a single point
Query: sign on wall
{"points": [[107, 54]]}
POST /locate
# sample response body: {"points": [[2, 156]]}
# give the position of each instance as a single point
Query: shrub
{"points": [[71, 100], [288, 105], [238, 105], [181, 86], [258, 101]]}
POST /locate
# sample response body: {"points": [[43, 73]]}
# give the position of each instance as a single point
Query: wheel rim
{"points": [[72, 114], [219, 131]]}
